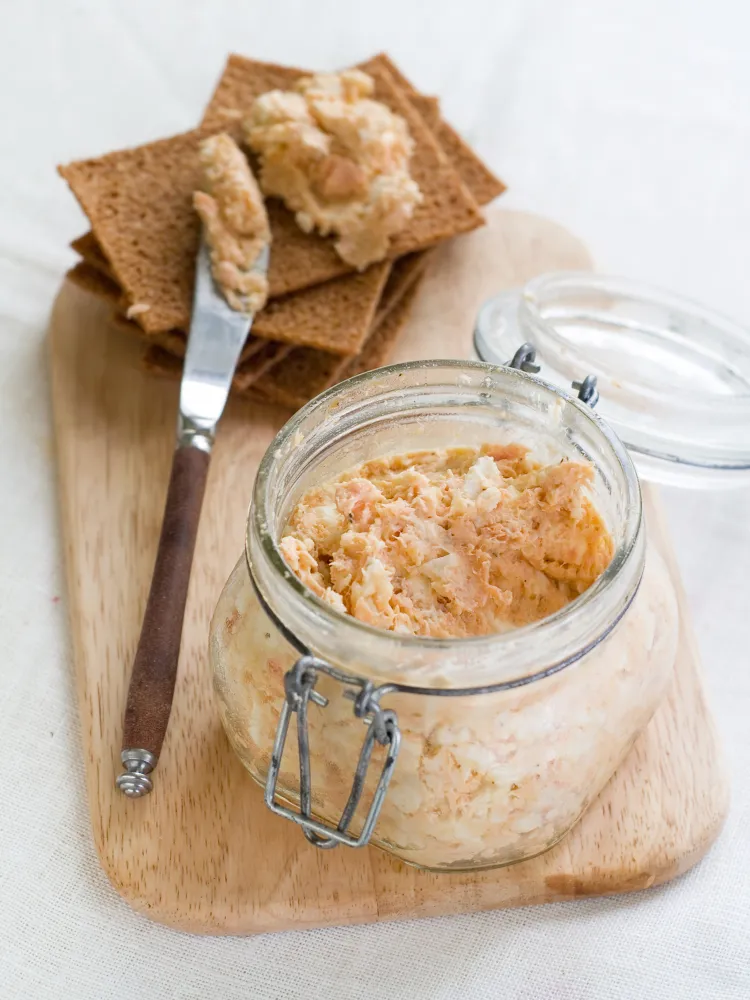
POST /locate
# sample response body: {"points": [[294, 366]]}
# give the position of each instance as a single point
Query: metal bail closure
{"points": [[524, 360], [587, 390], [299, 686]]}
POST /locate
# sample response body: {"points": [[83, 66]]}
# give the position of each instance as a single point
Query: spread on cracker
{"points": [[337, 159], [235, 222]]}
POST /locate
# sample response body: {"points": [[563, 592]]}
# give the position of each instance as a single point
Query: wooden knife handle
{"points": [[155, 668]]}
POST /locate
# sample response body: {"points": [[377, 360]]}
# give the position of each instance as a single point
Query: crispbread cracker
{"points": [[170, 340], [446, 209], [97, 283], [403, 82], [92, 275], [139, 203], [157, 361], [140, 207], [88, 248], [259, 363], [295, 392], [403, 275], [175, 341], [477, 177], [93, 280], [336, 316], [304, 374], [345, 307], [428, 107], [378, 348], [475, 174]]}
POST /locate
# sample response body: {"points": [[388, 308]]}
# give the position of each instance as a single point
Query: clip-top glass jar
{"points": [[474, 752]]}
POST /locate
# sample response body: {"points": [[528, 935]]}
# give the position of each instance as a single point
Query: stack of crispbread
{"points": [[323, 322]]}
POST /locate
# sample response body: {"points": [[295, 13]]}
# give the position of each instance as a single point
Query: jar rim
{"points": [[357, 631]]}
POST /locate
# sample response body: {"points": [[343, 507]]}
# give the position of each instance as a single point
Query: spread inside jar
{"points": [[235, 222], [450, 543], [337, 159]]}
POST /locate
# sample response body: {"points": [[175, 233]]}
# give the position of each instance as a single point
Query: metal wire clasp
{"points": [[525, 360], [299, 687]]}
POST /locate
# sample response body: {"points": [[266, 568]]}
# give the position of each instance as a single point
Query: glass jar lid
{"points": [[673, 377]]}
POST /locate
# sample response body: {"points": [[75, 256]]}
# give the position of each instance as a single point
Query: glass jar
{"points": [[474, 752]]}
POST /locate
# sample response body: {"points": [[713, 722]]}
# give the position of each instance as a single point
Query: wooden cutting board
{"points": [[202, 853]]}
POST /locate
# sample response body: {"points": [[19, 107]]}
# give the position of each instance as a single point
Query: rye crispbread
{"points": [[447, 208], [158, 361], [140, 207], [475, 174], [174, 341], [306, 373], [336, 316], [87, 247], [404, 273], [477, 177], [277, 387], [292, 377], [429, 109], [139, 204], [378, 348], [303, 373], [91, 279]]}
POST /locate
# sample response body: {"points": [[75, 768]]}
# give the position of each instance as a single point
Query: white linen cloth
{"points": [[626, 122]]}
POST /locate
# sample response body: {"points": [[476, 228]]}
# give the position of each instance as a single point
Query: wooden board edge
{"points": [[71, 592]]}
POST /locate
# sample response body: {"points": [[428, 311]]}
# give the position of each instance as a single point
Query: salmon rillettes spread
{"points": [[450, 543], [235, 221], [338, 159]]}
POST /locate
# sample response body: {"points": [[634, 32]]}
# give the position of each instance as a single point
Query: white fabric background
{"points": [[627, 122]]}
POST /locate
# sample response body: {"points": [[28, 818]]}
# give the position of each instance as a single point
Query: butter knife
{"points": [[217, 335]]}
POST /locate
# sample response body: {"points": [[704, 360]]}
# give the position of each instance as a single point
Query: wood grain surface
{"points": [[202, 853]]}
